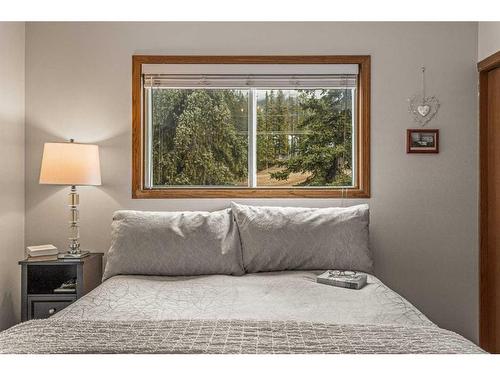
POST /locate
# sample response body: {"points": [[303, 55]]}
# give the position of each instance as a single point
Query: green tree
{"points": [[272, 129], [280, 126], [323, 149], [197, 142], [265, 150], [237, 102]]}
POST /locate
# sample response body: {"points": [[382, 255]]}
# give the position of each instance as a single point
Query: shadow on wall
{"points": [[111, 158], [116, 160], [8, 317]]}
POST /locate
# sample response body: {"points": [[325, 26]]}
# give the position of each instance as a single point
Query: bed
{"points": [[257, 312], [275, 312]]}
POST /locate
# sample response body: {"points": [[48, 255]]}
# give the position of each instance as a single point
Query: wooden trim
{"points": [[249, 193], [312, 59], [362, 190], [364, 115], [136, 126], [489, 63], [486, 302]]}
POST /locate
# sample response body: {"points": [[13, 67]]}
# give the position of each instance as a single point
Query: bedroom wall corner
{"points": [[12, 148]]}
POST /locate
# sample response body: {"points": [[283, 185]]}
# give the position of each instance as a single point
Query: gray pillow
{"points": [[174, 244], [289, 238]]}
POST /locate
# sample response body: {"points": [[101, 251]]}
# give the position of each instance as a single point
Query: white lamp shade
{"points": [[70, 164]]}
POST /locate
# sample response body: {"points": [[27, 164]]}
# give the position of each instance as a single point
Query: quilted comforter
{"points": [[227, 337]]}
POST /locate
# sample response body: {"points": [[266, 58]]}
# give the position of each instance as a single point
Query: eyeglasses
{"points": [[336, 273]]}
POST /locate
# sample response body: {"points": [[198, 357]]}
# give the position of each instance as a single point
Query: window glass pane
{"points": [[304, 137], [199, 137]]}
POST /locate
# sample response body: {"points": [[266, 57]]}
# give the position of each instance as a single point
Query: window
{"points": [[250, 126]]}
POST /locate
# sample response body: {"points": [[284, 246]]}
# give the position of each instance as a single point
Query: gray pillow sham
{"points": [[289, 238], [174, 244]]}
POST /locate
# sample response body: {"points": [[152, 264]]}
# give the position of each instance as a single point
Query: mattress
{"points": [[269, 296]]}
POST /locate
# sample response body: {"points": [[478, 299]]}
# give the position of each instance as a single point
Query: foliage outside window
{"points": [[232, 133], [200, 137]]}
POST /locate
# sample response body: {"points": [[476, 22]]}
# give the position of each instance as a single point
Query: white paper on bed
{"points": [[295, 238]]}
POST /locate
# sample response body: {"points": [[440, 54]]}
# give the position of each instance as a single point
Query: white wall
{"points": [[424, 207], [488, 39], [11, 169]]}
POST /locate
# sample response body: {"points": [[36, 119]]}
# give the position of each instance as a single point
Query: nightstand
{"points": [[39, 279]]}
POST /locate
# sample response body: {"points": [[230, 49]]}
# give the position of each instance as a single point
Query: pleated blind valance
{"points": [[250, 75], [260, 81]]}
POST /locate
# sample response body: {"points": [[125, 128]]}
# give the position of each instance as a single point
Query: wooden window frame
{"points": [[360, 190]]}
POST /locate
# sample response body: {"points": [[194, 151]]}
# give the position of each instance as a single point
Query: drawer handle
{"points": [[52, 310]]}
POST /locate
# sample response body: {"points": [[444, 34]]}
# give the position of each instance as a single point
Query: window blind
{"points": [[249, 81], [265, 76]]}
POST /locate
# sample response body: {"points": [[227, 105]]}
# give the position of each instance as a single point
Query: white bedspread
{"points": [[291, 295]]}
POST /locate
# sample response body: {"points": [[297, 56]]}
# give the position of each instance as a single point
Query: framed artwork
{"points": [[422, 141]]}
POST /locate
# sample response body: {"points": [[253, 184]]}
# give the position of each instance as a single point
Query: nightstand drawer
{"points": [[45, 308]]}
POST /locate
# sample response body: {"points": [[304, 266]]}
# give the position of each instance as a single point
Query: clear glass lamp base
{"points": [[74, 251]]}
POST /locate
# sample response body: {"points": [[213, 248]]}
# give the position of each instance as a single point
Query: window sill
{"points": [[174, 193]]}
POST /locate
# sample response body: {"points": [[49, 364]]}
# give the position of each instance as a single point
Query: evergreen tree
{"points": [[168, 105], [292, 123], [324, 150], [237, 102], [201, 136], [198, 143], [264, 135], [280, 127]]}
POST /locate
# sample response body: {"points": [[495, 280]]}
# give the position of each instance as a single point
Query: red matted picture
{"points": [[422, 141]]}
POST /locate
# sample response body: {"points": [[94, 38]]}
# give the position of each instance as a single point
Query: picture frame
{"points": [[422, 141]]}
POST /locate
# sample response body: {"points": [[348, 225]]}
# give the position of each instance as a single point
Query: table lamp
{"points": [[71, 164]]}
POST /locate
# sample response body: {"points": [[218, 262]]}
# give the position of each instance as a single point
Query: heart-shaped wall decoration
{"points": [[423, 109]]}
